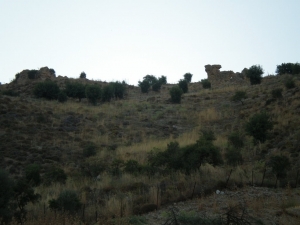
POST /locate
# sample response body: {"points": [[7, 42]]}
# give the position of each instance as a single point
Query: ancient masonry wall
{"points": [[219, 78]]}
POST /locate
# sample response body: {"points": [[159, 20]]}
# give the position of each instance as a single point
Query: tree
{"points": [[176, 93], [75, 90], [254, 73], [279, 165], [205, 83], [144, 85], [47, 89], [67, 201], [183, 84], [162, 80], [288, 68], [93, 93], [239, 96], [119, 89], [62, 96], [188, 77], [82, 75], [151, 79], [107, 93], [258, 126]]}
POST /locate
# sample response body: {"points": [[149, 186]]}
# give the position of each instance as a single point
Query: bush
{"points": [[54, 175], [239, 96], [10, 92], [93, 93], [107, 93], [258, 126], [62, 97], [52, 71], [277, 93], [46, 89], [67, 201], [82, 75], [6, 197], [144, 85], [75, 90], [162, 80], [288, 68], [289, 83], [206, 84], [119, 89], [183, 84], [176, 93], [32, 174], [132, 166], [236, 140], [188, 77], [280, 164], [156, 86], [254, 73], [89, 150]]}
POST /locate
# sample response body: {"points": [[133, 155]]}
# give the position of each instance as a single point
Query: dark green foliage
{"points": [[144, 85], [277, 93], [62, 96], [89, 150], [75, 90], [162, 80], [239, 96], [32, 174], [54, 175], [188, 158], [280, 164], [93, 93], [289, 83], [82, 75], [258, 126], [176, 93], [107, 93], [10, 92], [67, 201], [6, 197], [255, 73], [236, 140], [32, 74], [233, 156], [119, 89], [47, 89], [156, 86], [288, 68], [183, 84], [150, 79], [132, 166], [188, 77], [116, 167], [52, 71], [206, 84], [23, 194]]}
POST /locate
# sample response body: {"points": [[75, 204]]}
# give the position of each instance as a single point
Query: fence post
{"points": [[193, 190], [297, 179], [83, 209], [228, 178], [252, 178], [262, 182], [157, 196]]}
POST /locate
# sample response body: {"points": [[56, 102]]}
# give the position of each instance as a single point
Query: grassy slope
{"points": [[48, 132]]}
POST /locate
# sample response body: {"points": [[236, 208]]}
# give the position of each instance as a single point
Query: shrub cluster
{"points": [[47, 89], [205, 83], [254, 73], [152, 81], [176, 93], [288, 68], [188, 77]]}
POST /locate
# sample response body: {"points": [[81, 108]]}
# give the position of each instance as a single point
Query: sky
{"points": [[116, 40]]}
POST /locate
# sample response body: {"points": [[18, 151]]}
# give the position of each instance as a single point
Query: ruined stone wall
{"points": [[219, 78], [42, 74]]}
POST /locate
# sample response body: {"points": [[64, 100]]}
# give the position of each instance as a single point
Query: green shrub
{"points": [[239, 96], [258, 126], [176, 93], [67, 201], [277, 93], [162, 80], [144, 85], [236, 140], [6, 197], [206, 84], [183, 84], [254, 73], [75, 90], [82, 75], [119, 89], [32, 174], [54, 175], [62, 96], [156, 86], [289, 83], [107, 93], [288, 68], [10, 92], [46, 89], [89, 150], [52, 71], [188, 77], [93, 93], [132, 166]]}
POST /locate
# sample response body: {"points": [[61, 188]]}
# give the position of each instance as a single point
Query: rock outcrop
{"points": [[219, 78], [41, 74]]}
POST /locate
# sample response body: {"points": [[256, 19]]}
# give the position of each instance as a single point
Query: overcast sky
{"points": [[115, 40]]}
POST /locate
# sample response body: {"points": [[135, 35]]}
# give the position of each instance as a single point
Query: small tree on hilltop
{"points": [[255, 73], [188, 77], [82, 75], [46, 89], [183, 84], [144, 85], [176, 93], [258, 126], [162, 80], [75, 90], [93, 93], [239, 96]]}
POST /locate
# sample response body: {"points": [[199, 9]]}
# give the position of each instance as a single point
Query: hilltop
{"points": [[50, 133]]}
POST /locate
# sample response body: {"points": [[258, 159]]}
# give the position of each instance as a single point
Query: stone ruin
{"points": [[41, 74], [219, 78]]}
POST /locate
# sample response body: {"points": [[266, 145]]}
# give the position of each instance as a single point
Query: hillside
{"points": [[50, 133]]}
